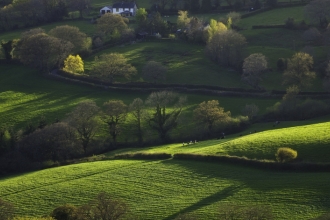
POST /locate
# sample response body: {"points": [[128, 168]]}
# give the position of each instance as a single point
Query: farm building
{"points": [[122, 8]]}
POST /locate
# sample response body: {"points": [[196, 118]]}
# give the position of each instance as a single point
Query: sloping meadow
{"points": [[161, 189]]}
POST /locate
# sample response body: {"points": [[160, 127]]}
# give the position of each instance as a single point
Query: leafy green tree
{"points": [[253, 68], [210, 113], [154, 72], [83, 119], [42, 51], [167, 107], [141, 16], [114, 114], [72, 34], [183, 19], [109, 23], [226, 48], [73, 64], [214, 27], [110, 66], [285, 154], [298, 71]]}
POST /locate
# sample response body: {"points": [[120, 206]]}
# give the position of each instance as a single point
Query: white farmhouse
{"points": [[106, 9], [122, 8]]}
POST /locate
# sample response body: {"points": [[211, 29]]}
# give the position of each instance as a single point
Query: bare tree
{"points": [[83, 119], [250, 110], [154, 71], [253, 68], [137, 110], [167, 109], [105, 207], [114, 114], [54, 142]]}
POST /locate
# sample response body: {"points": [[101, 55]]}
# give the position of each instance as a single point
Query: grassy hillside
{"points": [[187, 63], [312, 143], [162, 189], [26, 95]]}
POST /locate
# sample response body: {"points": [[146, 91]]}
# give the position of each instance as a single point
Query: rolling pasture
{"points": [[312, 142], [26, 96], [163, 189]]}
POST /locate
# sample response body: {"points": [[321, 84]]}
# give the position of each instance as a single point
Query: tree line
{"points": [[90, 129], [26, 13]]}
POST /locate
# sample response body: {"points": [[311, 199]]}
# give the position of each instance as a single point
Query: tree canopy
{"points": [[210, 113], [253, 67], [298, 71], [109, 66]]}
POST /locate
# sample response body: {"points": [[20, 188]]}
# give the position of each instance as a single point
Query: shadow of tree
{"points": [[221, 195]]}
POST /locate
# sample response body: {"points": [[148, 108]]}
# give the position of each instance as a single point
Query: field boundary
{"points": [[190, 88], [234, 160]]}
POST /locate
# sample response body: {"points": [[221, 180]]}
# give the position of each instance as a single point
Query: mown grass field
{"points": [[163, 189], [312, 143]]}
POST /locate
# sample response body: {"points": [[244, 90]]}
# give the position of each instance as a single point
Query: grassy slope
{"points": [[186, 63], [162, 189], [25, 96], [311, 141]]}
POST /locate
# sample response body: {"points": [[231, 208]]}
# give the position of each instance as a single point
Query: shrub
{"points": [[171, 36], [285, 154], [289, 23], [65, 212], [282, 64]]}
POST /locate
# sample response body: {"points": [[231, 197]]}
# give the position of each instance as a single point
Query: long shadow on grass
{"points": [[216, 197]]}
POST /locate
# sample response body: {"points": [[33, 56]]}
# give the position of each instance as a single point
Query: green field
{"points": [[26, 95], [163, 189], [312, 143]]}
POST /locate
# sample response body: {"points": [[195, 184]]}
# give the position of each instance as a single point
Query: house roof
{"points": [[109, 7], [124, 5]]}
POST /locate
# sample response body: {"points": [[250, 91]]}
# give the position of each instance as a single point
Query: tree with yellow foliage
{"points": [[214, 27], [73, 64]]}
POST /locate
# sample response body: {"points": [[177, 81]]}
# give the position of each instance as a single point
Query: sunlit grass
{"points": [[311, 141], [163, 189]]}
